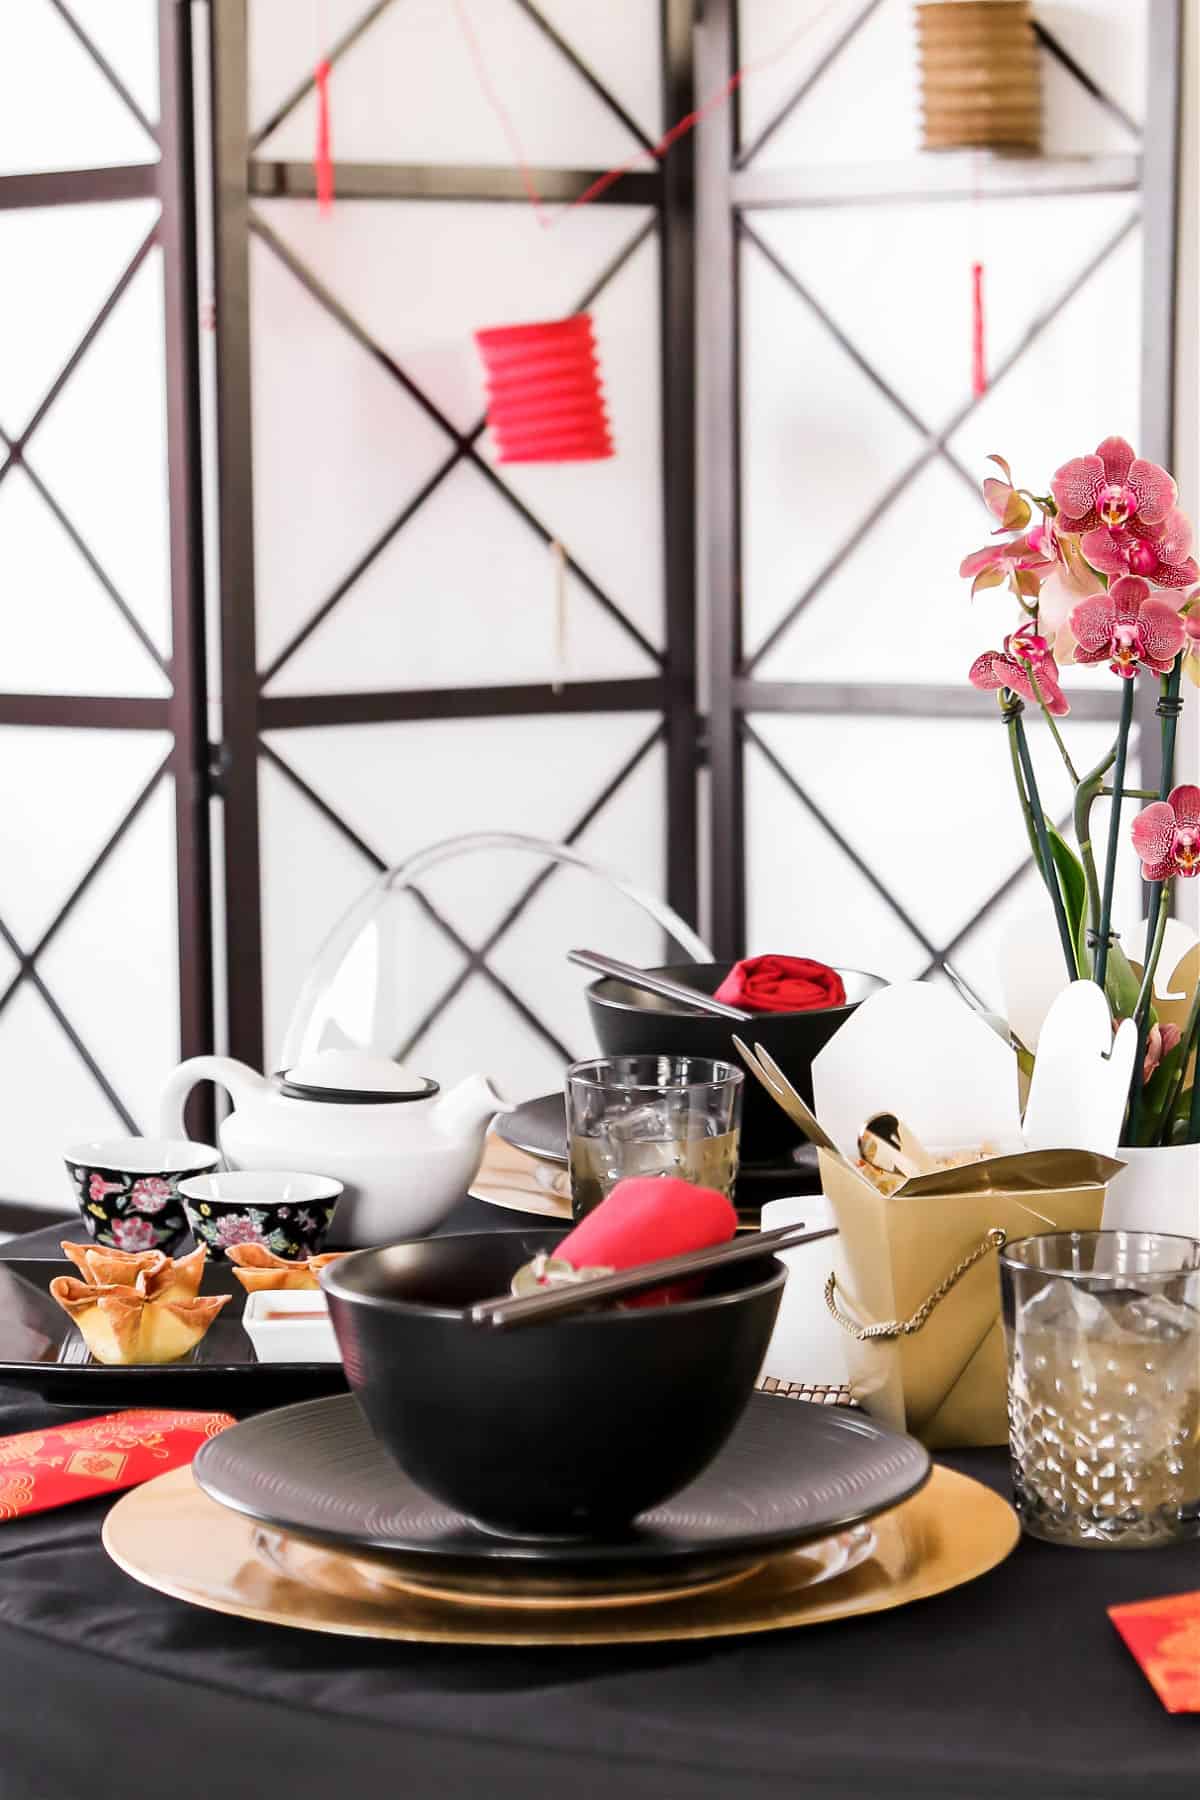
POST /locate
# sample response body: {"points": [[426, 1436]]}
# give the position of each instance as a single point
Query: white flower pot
{"points": [[1158, 1190]]}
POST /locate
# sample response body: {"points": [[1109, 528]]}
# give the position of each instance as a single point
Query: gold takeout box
{"points": [[941, 1374]]}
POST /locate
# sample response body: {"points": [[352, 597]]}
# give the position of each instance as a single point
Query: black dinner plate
{"points": [[41, 1350], [539, 1128], [790, 1474]]}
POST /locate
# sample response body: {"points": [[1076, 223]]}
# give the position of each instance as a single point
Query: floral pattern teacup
{"points": [[127, 1189], [287, 1213]]}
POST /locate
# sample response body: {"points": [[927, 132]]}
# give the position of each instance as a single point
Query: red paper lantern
{"points": [[545, 402]]}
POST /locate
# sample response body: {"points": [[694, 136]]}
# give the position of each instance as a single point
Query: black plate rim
{"points": [[492, 1549]]}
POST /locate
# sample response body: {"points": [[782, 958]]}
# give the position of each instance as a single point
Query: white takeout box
{"points": [[918, 1051]]}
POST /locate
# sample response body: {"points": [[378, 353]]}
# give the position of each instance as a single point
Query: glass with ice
{"points": [[1103, 1334], [651, 1115]]}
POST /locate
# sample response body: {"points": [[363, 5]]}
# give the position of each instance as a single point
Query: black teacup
{"points": [[127, 1189]]}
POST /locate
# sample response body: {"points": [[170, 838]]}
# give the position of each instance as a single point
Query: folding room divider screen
{"points": [[741, 725]]}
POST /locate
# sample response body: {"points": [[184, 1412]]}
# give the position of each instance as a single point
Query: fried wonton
{"points": [[259, 1269], [102, 1267], [122, 1324], [155, 1275]]}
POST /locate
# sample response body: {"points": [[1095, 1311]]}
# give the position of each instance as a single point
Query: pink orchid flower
{"points": [[1003, 501], [1191, 640], [1127, 628], [1163, 558], [1114, 488], [1023, 562], [1024, 652], [1167, 835], [1160, 1042]]}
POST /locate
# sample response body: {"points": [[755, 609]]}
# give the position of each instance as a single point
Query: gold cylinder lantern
{"points": [[980, 80]]}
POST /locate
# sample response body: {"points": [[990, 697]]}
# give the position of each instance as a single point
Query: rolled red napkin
{"points": [[646, 1217], [781, 984]]}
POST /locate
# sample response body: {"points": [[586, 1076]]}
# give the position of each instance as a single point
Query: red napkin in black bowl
{"points": [[781, 984], [646, 1217]]}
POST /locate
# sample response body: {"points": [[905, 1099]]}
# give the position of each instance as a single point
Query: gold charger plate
{"points": [[520, 1183], [172, 1537]]}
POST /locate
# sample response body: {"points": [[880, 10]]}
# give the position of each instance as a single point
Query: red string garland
{"points": [[979, 378], [545, 402], [323, 158]]}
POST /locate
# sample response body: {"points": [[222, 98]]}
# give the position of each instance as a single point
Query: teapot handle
{"points": [[237, 1078]]}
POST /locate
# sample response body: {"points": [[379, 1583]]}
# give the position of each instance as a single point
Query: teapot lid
{"points": [[353, 1078]]}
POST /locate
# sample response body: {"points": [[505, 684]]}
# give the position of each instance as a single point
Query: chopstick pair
{"points": [[557, 1302]]}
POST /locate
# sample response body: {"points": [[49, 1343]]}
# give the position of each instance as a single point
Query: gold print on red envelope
{"points": [[16, 1492], [100, 1464], [42, 1469], [1164, 1636]]}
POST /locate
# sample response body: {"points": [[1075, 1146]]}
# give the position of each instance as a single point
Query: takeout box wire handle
{"points": [[994, 1239]]}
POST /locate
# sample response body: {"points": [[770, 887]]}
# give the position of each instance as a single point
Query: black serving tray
{"points": [[41, 1350]]}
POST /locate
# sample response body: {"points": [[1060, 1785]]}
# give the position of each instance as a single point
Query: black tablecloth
{"points": [[1015, 1685]]}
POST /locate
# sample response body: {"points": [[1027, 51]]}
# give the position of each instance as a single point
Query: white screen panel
{"points": [[112, 963], [64, 793], [928, 804], [541, 776], [62, 262], [409, 91], [57, 110], [58, 1101], [864, 107], [63, 632], [102, 451]]}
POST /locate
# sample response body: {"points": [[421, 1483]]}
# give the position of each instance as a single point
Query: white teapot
{"points": [[404, 1153]]}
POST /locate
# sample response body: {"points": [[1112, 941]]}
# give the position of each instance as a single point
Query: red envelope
{"points": [[1164, 1637], [44, 1469]]}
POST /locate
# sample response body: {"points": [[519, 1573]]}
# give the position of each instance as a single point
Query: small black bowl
{"points": [[629, 1022], [566, 1429]]}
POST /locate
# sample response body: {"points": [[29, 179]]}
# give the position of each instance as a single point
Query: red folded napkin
{"points": [[43, 1469], [646, 1217], [1164, 1638], [781, 984]]}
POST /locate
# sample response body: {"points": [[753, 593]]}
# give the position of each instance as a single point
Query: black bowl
{"points": [[629, 1022], [566, 1429]]}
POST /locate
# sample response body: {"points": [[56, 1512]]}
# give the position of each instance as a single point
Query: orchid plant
{"points": [[1102, 572]]}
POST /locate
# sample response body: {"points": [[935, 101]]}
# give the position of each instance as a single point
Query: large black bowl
{"points": [[629, 1022], [564, 1429]]}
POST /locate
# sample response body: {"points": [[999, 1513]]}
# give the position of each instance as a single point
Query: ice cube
{"points": [[639, 1124]]}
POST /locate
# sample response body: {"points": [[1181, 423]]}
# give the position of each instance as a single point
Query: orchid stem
{"points": [[1131, 793], [1010, 719], [1168, 713], [1046, 859], [1085, 796], [1160, 931], [1055, 733], [1114, 830]]}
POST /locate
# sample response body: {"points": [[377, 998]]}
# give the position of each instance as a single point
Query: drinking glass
{"points": [[1103, 1334], [651, 1115]]}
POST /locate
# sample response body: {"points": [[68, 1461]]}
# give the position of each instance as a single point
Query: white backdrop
{"points": [[464, 594]]}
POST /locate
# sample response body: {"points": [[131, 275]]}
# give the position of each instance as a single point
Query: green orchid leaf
{"points": [[1121, 984], [1074, 890], [1157, 1093]]}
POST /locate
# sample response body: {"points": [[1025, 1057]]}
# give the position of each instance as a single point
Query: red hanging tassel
{"points": [[322, 160], [979, 380]]}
